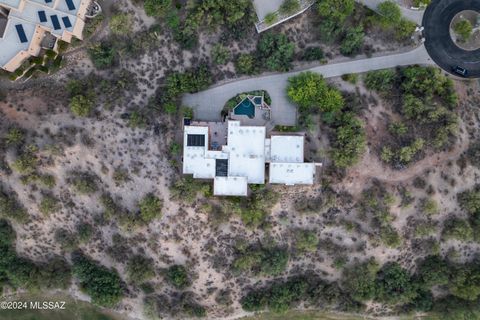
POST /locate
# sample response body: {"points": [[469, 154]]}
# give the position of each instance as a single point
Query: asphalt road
{"points": [[439, 44]]}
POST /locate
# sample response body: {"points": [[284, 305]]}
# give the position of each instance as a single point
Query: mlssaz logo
{"points": [[47, 305]]}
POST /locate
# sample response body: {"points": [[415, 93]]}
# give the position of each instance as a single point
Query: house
{"points": [[25, 25], [234, 156]]}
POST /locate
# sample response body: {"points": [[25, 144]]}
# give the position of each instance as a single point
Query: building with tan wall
{"points": [[25, 24]]}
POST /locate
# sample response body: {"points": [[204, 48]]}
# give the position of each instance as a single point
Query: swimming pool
{"points": [[246, 108]]}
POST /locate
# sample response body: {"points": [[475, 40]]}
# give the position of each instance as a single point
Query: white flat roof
{"points": [[194, 160], [246, 147], [10, 44], [30, 13], [287, 149], [10, 3], [230, 186], [292, 173]]}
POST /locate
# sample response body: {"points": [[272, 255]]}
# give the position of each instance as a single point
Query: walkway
{"points": [[209, 103]]}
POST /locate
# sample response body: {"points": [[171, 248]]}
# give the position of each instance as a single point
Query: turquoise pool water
{"points": [[246, 108]]}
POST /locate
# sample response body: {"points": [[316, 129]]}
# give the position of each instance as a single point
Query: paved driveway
{"points": [[209, 103]]}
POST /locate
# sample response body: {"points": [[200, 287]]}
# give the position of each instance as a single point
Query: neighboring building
{"points": [[269, 13], [25, 27], [234, 156]]}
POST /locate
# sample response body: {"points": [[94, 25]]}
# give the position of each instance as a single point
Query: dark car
{"points": [[461, 71]]}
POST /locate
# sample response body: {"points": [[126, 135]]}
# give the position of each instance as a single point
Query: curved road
{"points": [[209, 103], [440, 45]]}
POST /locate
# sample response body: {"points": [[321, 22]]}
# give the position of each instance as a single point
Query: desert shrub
{"points": [[350, 77], [187, 189], [26, 163], [120, 24], [470, 200], [459, 229], [429, 206], [49, 205], [353, 41], [11, 208], [55, 274], [84, 183], [103, 55], [424, 228], [260, 260], [349, 142], [137, 120], [140, 269], [306, 240], [275, 51], [313, 54], [84, 232], [103, 285], [381, 80], [220, 54], [394, 285], [333, 14], [177, 276], [245, 64], [48, 180], [271, 18], [14, 137], [289, 7], [67, 240], [150, 208], [81, 106], [253, 210]]}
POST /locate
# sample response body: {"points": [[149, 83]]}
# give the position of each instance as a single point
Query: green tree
{"points": [[464, 29], [465, 282], [390, 13], [337, 10], [275, 51], [359, 280], [311, 92], [103, 285], [433, 271], [394, 285]]}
